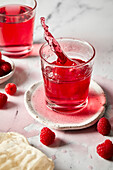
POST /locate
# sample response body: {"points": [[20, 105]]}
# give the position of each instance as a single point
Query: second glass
{"points": [[16, 26]]}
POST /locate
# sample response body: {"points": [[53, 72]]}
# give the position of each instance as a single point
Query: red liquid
{"points": [[66, 87], [16, 32]]}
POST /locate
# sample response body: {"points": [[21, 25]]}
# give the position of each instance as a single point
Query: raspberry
{"points": [[0, 56], [10, 88], [47, 136], [1, 72], [6, 67], [3, 99], [103, 126], [105, 150]]}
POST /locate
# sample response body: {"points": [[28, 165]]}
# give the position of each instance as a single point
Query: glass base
{"points": [[20, 53], [66, 109]]}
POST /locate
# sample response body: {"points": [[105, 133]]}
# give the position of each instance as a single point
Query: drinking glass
{"points": [[16, 26], [66, 87]]}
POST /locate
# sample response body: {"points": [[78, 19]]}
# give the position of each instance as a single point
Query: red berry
{"points": [[0, 56], [6, 67], [47, 136], [10, 88], [103, 126], [105, 150], [1, 72], [3, 99]]}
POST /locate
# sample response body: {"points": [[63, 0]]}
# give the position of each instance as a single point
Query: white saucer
{"points": [[9, 75], [35, 104]]}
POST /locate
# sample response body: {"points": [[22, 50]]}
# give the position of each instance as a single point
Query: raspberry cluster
{"points": [[105, 149]]}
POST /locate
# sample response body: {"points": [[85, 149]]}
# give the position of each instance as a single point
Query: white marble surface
{"points": [[85, 19]]}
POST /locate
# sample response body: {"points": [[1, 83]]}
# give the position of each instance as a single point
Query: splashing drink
{"points": [[66, 80]]}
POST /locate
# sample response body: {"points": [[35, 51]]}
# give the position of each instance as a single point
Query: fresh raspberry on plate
{"points": [[47, 136], [1, 72], [3, 99], [103, 126], [105, 150], [10, 88], [6, 67], [0, 56]]}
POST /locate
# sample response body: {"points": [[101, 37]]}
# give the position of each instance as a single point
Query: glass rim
{"points": [[22, 13], [68, 38]]}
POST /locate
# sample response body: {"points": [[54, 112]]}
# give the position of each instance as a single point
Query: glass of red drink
{"points": [[67, 86], [16, 26]]}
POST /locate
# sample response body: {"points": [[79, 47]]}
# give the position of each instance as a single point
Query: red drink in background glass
{"points": [[16, 29], [66, 87]]}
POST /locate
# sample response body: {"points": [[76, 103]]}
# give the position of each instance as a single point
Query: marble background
{"points": [[91, 20]]}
